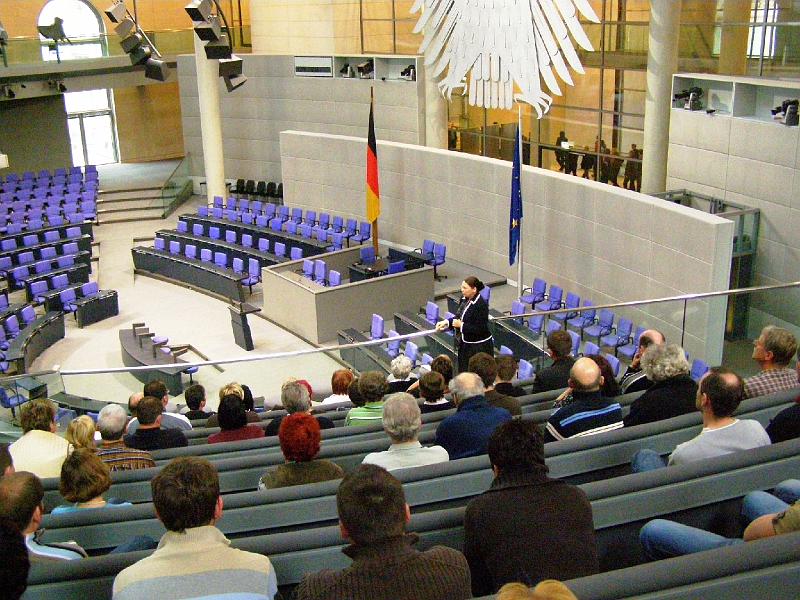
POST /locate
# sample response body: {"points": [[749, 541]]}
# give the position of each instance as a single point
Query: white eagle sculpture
{"points": [[503, 42]]}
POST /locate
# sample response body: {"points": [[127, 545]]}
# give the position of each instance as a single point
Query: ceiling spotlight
{"points": [[220, 49], [141, 55], [209, 31], [116, 12], [156, 69], [126, 27], [199, 10], [232, 83], [132, 42]]}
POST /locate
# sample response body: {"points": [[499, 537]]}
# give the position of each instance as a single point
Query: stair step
{"points": [[143, 214], [116, 195], [132, 204]]}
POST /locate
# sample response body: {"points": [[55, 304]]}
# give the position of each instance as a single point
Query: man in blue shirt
{"points": [[467, 432]]}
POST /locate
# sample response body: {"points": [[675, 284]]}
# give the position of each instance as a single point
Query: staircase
{"points": [[136, 204]]}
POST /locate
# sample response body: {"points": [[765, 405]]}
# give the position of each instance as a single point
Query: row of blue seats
{"points": [[89, 189], [249, 278], [15, 227], [246, 241], [88, 170], [12, 215]]}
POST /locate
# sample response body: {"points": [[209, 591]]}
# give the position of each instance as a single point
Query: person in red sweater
{"points": [[233, 422]]}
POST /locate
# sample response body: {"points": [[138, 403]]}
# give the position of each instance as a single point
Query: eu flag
{"points": [[515, 218]]}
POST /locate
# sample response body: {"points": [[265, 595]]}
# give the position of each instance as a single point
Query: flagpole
{"points": [[375, 222], [520, 284]]}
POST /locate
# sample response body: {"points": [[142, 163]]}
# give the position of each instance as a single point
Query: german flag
{"points": [[373, 193]]}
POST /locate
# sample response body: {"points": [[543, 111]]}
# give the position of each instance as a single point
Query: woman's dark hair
{"points": [[474, 282], [431, 386], [231, 413], [83, 476], [249, 404], [443, 365], [610, 386], [355, 394]]}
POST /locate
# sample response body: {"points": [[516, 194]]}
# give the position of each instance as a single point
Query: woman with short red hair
{"points": [[300, 440]]}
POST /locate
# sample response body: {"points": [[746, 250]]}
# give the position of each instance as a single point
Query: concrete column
{"points": [[210, 121], [435, 113], [662, 61]]}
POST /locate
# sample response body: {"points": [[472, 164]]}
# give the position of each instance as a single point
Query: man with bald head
{"points": [[634, 379], [588, 412]]}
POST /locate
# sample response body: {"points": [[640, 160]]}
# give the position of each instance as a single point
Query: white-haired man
{"points": [[111, 422], [400, 377], [402, 421]]}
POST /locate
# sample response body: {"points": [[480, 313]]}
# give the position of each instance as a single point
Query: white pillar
{"points": [[435, 113], [210, 121], [662, 62]]}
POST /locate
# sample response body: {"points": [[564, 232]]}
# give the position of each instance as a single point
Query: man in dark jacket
{"points": [[150, 435], [554, 377], [372, 516], [526, 527], [634, 379], [485, 367]]}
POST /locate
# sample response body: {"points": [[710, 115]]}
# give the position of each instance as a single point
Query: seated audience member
{"points": [[193, 557], [589, 412], [506, 370], [352, 392], [554, 377], [441, 364], [157, 389], [400, 377], [150, 435], [39, 450], [372, 388], [195, 396], [610, 387], [299, 436], [233, 422], [340, 381], [719, 395], [548, 589], [372, 516], [767, 515], [431, 389], [84, 480], [6, 462], [250, 404], [786, 424], [21, 496], [80, 432], [773, 351], [466, 433], [16, 564], [169, 420], [673, 390], [235, 388], [295, 399], [635, 379], [113, 452], [526, 526], [485, 367], [402, 421]]}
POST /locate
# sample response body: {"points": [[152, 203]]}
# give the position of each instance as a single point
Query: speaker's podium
{"points": [[241, 329]]}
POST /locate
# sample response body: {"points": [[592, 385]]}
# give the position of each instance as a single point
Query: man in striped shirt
{"points": [[589, 412], [111, 424]]}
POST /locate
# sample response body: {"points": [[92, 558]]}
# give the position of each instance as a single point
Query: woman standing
{"points": [[471, 323]]}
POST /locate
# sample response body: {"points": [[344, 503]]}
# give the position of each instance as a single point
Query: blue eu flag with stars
{"points": [[515, 218]]}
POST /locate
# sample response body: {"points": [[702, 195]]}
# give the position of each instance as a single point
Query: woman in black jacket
{"points": [[471, 323]]}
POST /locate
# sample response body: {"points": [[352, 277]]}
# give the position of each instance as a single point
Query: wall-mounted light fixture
{"points": [[212, 28], [135, 42]]}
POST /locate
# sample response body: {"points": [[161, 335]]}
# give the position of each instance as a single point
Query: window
{"points": [[82, 26]]}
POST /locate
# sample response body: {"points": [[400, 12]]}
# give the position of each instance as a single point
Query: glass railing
{"points": [[177, 189], [683, 319]]}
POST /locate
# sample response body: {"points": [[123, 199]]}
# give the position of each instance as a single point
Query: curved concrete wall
{"points": [[602, 242]]}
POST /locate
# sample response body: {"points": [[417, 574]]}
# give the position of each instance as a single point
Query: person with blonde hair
{"points": [[235, 389], [549, 589], [80, 432]]}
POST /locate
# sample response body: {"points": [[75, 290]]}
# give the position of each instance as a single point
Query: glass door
{"points": [[90, 118]]}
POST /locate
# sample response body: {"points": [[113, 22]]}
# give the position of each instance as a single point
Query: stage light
{"points": [[136, 44], [199, 10], [132, 42], [209, 31], [156, 69], [214, 30], [125, 28], [232, 83], [116, 12], [221, 49], [141, 55]]}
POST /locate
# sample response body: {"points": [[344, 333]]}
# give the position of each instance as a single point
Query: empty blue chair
{"points": [[216, 213], [255, 206], [573, 301], [230, 236], [48, 253], [364, 233], [537, 292], [77, 217], [221, 259], [191, 251], [308, 268], [576, 342], [699, 368], [218, 202], [262, 221], [276, 224], [486, 294], [247, 240], [205, 255], [426, 250], [590, 348], [583, 318], [37, 289], [350, 228], [89, 289], [30, 240], [305, 230], [5, 265], [12, 327], [324, 220], [295, 253], [238, 265], [398, 266], [336, 239], [535, 324], [70, 248], [68, 301], [248, 218], [553, 300], [28, 315], [65, 261], [524, 370], [604, 325], [291, 227], [269, 210], [439, 256], [297, 215], [280, 249], [311, 217], [263, 244], [174, 247], [614, 362], [35, 223], [367, 255], [393, 345], [620, 337], [505, 350], [42, 267], [230, 204], [13, 401], [426, 359], [376, 328], [8, 244], [202, 211], [334, 278], [552, 326], [25, 258], [158, 243], [183, 227], [411, 351], [213, 233], [59, 281], [517, 308], [432, 312], [320, 271], [253, 274], [337, 224], [51, 236]]}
